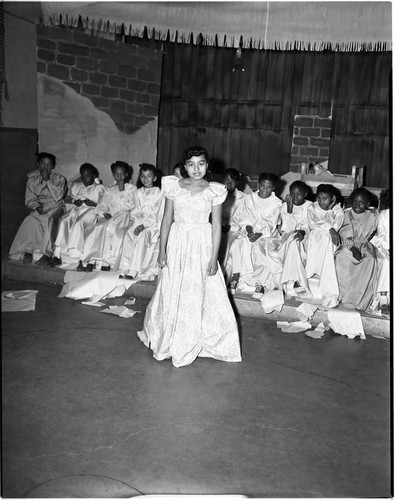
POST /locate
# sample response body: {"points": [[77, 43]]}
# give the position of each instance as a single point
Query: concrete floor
{"points": [[87, 411]]}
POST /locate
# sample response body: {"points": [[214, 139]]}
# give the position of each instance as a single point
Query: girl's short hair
{"points": [[233, 174], [120, 163], [194, 151], [50, 156], [361, 192], [91, 168], [299, 184], [145, 167], [327, 189], [267, 176]]}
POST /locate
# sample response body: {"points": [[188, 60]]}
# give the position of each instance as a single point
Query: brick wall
{"points": [[310, 140], [120, 79]]}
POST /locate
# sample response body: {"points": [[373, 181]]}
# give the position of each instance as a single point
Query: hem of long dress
{"points": [[201, 354]]}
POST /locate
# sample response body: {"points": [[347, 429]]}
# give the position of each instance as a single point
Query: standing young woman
{"points": [[190, 314]]}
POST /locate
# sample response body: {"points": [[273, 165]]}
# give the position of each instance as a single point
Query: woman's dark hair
{"points": [[327, 189], [194, 151], [361, 192], [233, 174], [299, 184], [267, 176], [50, 156], [385, 199], [91, 168]]}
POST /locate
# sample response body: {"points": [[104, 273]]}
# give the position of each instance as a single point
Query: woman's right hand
{"points": [[162, 260]]}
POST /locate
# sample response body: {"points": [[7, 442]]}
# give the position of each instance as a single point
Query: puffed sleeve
{"points": [[170, 186], [218, 193]]}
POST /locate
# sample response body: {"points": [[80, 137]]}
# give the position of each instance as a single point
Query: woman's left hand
{"points": [[212, 267]]}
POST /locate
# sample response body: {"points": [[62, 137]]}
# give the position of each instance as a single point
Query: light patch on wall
{"points": [[70, 127]]}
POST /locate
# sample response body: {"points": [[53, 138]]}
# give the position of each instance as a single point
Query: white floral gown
{"points": [[190, 314]]}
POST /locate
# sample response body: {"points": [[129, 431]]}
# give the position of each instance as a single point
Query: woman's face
{"points": [[196, 167]]}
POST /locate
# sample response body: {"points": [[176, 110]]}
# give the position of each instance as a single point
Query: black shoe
{"points": [[27, 258], [89, 268], [44, 261], [105, 268], [55, 261], [80, 267]]}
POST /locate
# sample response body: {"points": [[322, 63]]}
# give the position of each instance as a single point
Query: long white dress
{"points": [[69, 243], [258, 262], [139, 253], [292, 252], [320, 250], [37, 232], [190, 314], [103, 240]]}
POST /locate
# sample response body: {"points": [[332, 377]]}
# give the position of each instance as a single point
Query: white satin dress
{"points": [[190, 314]]}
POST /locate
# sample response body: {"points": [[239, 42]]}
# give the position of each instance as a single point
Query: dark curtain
{"points": [[245, 118]]}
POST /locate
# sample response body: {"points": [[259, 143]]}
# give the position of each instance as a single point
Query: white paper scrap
{"points": [[298, 326], [294, 326], [346, 323], [305, 311], [18, 300], [272, 300], [282, 324], [121, 311], [94, 304], [317, 333]]}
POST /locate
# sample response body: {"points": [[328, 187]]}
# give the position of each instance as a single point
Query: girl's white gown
{"points": [[190, 314]]}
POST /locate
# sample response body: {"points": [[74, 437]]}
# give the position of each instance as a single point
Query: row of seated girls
{"points": [[295, 244], [113, 228], [266, 243]]}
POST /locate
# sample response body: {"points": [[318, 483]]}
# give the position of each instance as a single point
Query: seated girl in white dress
{"points": [[140, 248], [44, 197], [190, 314], [253, 260], [104, 239], [293, 230], [324, 217], [85, 194], [355, 259]]}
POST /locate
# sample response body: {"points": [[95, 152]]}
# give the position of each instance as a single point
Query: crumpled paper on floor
{"points": [[121, 311], [97, 284], [272, 300], [18, 300], [294, 326], [318, 332], [93, 303], [348, 323], [305, 311]]}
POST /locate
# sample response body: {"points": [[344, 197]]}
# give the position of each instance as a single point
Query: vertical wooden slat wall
{"points": [[245, 118]]}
